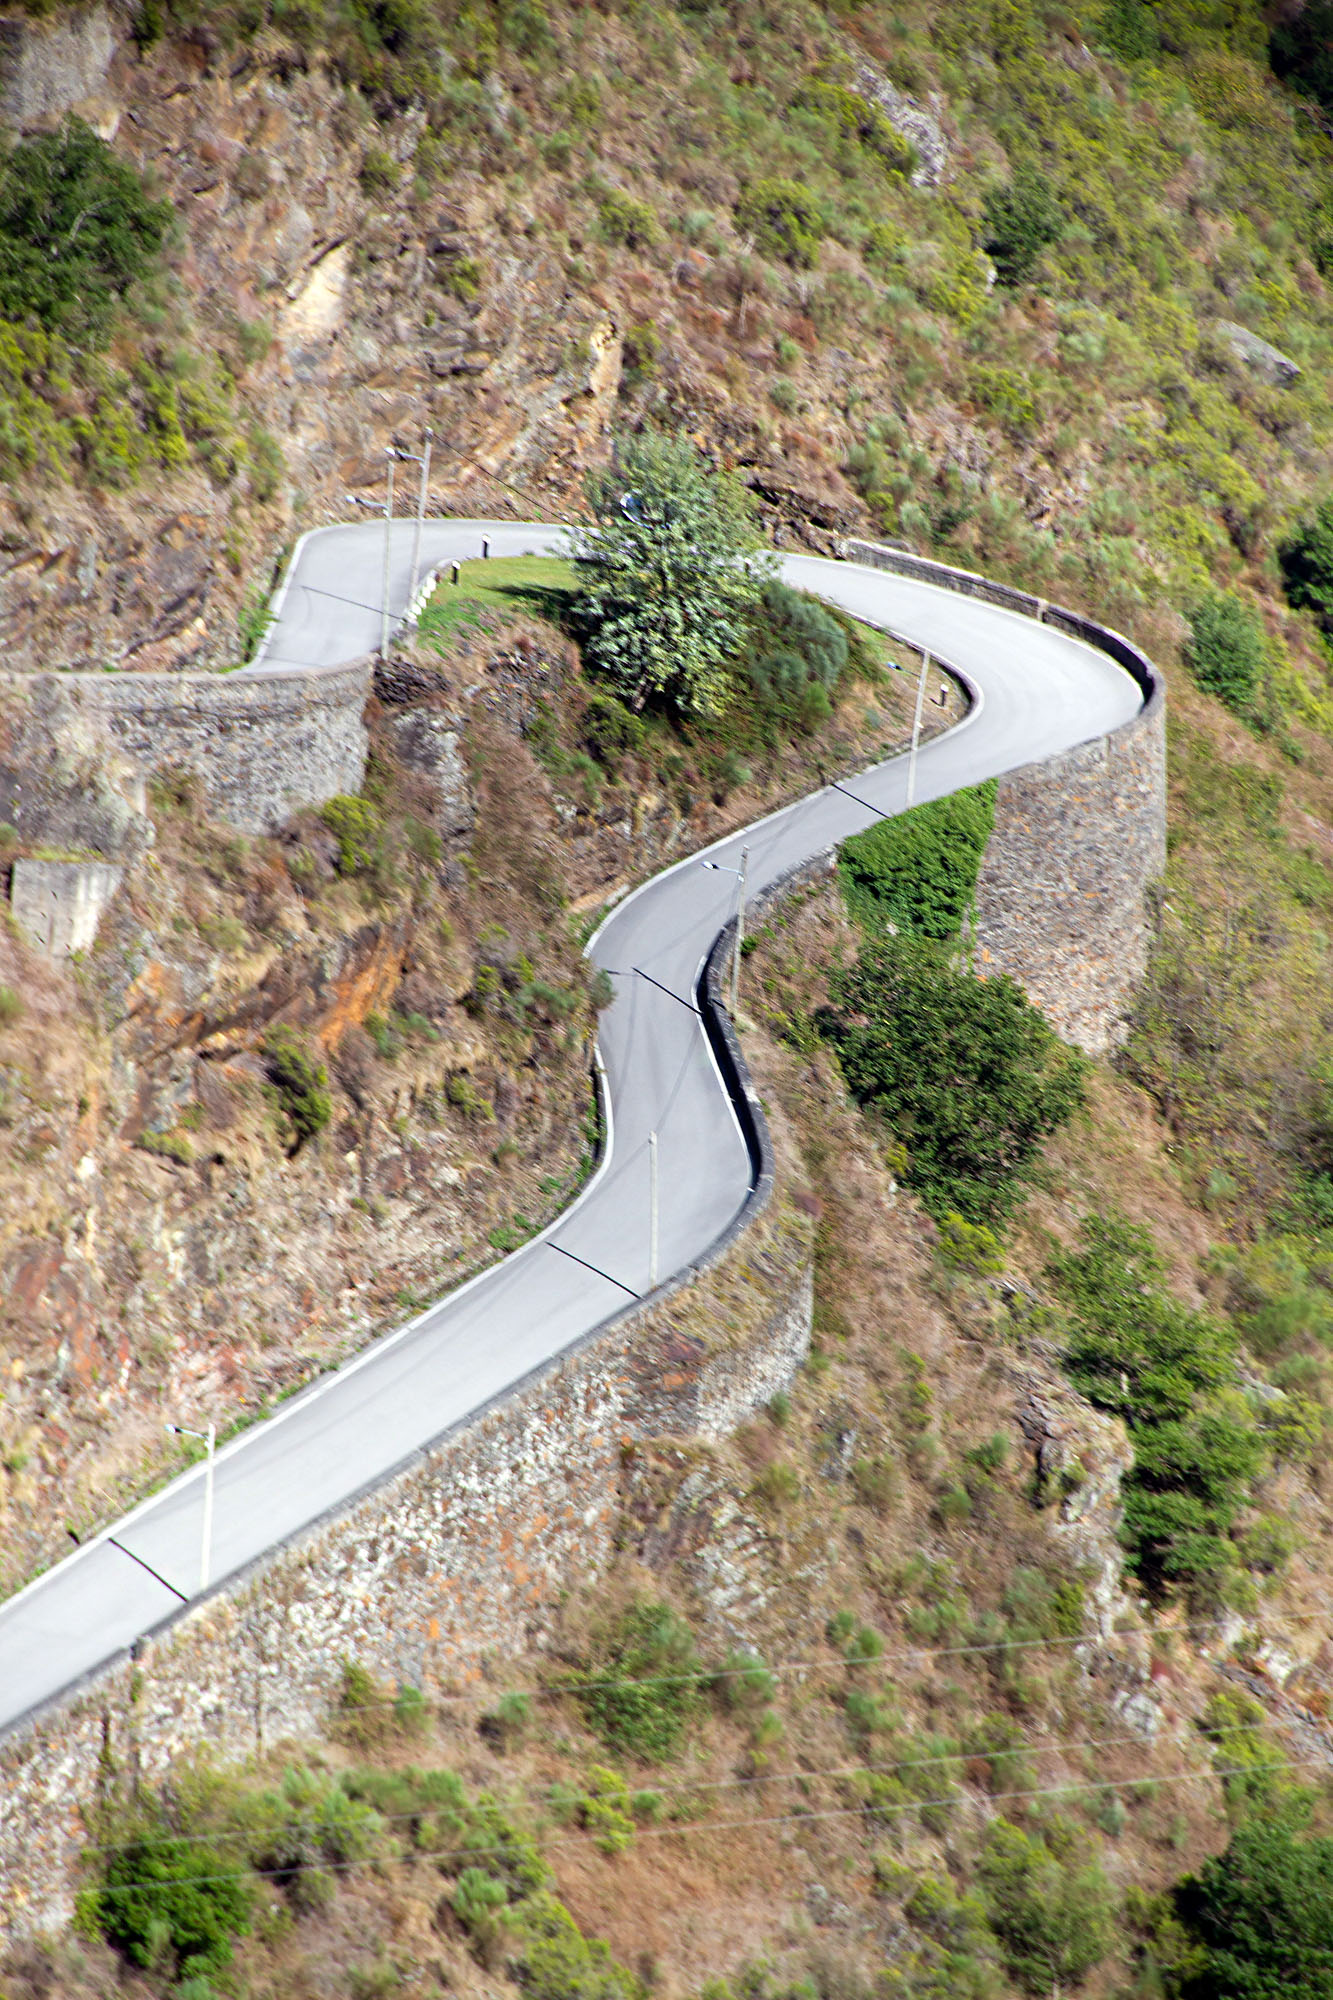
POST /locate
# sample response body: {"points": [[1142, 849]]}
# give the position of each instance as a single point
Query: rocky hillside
{"points": [[1015, 1611]]}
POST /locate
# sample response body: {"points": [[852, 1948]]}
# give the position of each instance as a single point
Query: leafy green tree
{"points": [[1020, 219], [667, 575], [1051, 1911], [1226, 649], [76, 229], [964, 1070], [1260, 1917], [1306, 558]]}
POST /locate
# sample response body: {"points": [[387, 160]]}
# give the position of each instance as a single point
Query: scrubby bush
{"points": [[964, 1071], [168, 1902], [624, 218], [794, 655], [862, 122], [1226, 649], [1139, 1352], [1019, 220], [77, 229], [1049, 1904], [646, 1685], [667, 574], [300, 1085], [918, 871], [358, 828], [784, 218]]}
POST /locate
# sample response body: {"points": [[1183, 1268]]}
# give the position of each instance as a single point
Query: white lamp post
{"points": [[421, 458], [916, 728], [652, 1211], [210, 1438], [740, 874]]}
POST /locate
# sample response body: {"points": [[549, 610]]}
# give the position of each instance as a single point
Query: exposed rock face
{"points": [[1267, 361], [49, 67], [427, 742], [922, 128]]}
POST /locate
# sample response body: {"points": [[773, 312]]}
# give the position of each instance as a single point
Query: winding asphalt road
{"points": [[1041, 692]]}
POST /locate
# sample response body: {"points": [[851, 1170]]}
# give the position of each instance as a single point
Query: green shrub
{"points": [[785, 219], [964, 1071], [1306, 560], [76, 231], [859, 120], [1139, 1352], [610, 730], [793, 656], [1052, 1911], [624, 218], [169, 1903], [300, 1085], [918, 871], [1226, 649], [969, 1246], [556, 1962], [645, 1689], [464, 1095], [11, 1007], [379, 173], [1019, 220], [359, 830]]}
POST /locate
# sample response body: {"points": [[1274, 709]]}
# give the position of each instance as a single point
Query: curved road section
{"points": [[1040, 692]]}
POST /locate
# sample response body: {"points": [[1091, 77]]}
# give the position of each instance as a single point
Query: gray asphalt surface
{"points": [[1041, 692]]}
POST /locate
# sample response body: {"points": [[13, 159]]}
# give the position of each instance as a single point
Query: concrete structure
{"points": [[59, 904]]}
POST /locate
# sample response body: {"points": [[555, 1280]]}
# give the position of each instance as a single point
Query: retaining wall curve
{"points": [[1078, 839]]}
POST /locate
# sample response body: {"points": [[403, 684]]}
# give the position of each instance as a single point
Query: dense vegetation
{"points": [[965, 1073]]}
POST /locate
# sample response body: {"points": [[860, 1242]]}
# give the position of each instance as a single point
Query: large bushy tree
{"points": [[76, 229], [1260, 1918], [667, 572]]}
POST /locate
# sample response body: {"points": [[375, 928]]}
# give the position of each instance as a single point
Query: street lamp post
{"points": [[740, 873], [210, 1438], [916, 727], [652, 1211], [388, 544], [421, 458]]}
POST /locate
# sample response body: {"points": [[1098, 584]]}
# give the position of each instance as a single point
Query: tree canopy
{"points": [[668, 571], [76, 229]]}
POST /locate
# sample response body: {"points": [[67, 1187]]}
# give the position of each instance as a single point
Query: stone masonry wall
{"points": [[264, 745], [1078, 839], [1061, 901], [463, 1553]]}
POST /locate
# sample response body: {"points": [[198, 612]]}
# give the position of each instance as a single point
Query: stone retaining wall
{"points": [[1078, 839], [264, 745]]}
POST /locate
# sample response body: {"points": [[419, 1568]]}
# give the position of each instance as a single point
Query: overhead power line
{"points": [[885, 1811]]}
